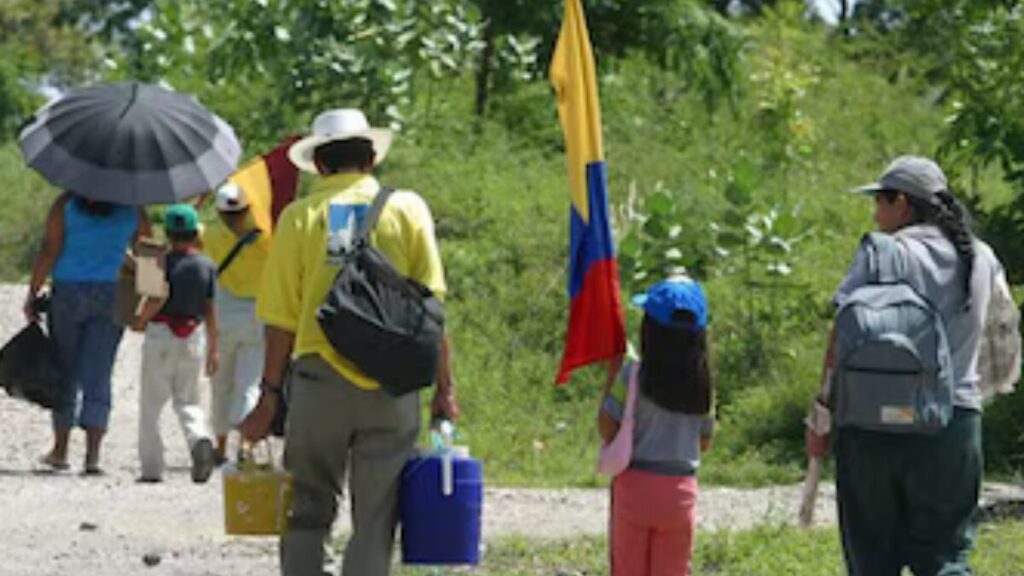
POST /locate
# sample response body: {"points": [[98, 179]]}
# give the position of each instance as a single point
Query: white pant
{"points": [[236, 386], [170, 371]]}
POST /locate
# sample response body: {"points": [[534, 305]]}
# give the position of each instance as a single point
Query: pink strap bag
{"points": [[615, 455]]}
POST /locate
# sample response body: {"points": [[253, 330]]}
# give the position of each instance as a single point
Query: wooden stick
{"points": [[810, 492], [819, 422]]}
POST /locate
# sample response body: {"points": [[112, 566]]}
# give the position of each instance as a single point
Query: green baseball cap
{"points": [[181, 218]]}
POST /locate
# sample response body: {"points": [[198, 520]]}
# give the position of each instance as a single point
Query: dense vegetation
{"points": [[732, 135]]}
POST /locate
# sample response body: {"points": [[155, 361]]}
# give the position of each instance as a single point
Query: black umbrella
{"points": [[130, 143]]}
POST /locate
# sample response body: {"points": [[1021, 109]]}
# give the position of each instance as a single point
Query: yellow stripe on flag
{"points": [[254, 178], [574, 79]]}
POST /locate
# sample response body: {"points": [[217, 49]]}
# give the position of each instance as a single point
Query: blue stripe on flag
{"points": [[590, 242]]}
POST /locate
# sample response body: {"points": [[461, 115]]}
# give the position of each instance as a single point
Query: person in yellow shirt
{"points": [[239, 249], [338, 418]]}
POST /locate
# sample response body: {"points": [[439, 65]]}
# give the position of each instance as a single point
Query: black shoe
{"points": [[203, 458]]}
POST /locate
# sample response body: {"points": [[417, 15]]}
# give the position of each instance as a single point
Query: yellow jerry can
{"points": [[257, 497]]}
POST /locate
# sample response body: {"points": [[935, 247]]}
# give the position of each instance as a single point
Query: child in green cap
{"points": [[173, 351]]}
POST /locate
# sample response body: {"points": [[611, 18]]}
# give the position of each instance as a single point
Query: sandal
{"points": [[93, 470], [54, 464]]}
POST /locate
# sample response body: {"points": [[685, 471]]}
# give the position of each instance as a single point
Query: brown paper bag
{"points": [[142, 274]]}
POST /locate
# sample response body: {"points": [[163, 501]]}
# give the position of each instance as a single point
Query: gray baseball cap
{"points": [[913, 175]]}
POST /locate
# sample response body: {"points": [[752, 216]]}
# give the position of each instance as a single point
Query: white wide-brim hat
{"points": [[335, 125]]}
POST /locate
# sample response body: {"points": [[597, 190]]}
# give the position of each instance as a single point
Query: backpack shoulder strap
{"points": [[886, 258], [249, 238], [370, 221]]}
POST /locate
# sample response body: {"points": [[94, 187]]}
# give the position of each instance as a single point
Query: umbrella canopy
{"points": [[130, 143]]}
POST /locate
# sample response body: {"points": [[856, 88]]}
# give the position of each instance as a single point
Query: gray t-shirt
{"points": [[664, 442], [191, 277], [934, 270]]}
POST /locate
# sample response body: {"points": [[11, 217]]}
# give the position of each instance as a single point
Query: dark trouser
{"points": [[336, 430], [82, 323], [909, 500]]}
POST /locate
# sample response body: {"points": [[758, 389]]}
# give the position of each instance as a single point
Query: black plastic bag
{"points": [[30, 367]]}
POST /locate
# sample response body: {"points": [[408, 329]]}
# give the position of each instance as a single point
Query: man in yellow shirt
{"points": [[239, 249], [339, 418]]}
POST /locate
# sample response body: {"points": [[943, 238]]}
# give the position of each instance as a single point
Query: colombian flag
{"points": [[596, 325], [270, 182]]}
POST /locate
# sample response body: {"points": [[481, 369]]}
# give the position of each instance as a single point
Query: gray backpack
{"points": [[893, 370]]}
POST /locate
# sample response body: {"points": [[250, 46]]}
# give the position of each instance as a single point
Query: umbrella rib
{"points": [[186, 124], [131, 101]]}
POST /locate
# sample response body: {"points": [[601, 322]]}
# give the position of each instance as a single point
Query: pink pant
{"points": [[652, 524]]}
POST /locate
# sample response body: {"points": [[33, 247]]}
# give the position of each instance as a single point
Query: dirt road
{"points": [[60, 524]]}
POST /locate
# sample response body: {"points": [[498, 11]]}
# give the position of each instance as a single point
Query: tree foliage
{"points": [[36, 48], [985, 79]]}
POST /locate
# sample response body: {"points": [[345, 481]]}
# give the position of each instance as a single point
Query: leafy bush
{"points": [[1004, 435], [26, 199]]}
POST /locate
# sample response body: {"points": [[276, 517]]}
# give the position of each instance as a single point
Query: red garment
{"points": [[652, 525], [180, 327]]}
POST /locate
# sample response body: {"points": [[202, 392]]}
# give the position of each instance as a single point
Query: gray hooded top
{"points": [[935, 271]]}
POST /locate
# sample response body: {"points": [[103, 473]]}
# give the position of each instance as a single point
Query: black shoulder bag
{"points": [[388, 325]]}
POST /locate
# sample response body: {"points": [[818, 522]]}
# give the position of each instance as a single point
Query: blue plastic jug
{"points": [[438, 527]]}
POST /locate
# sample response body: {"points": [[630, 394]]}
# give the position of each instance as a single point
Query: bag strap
{"points": [[886, 263], [631, 386], [249, 238], [369, 222]]}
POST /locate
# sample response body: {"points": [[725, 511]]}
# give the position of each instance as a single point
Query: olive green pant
{"points": [[909, 500], [335, 428]]}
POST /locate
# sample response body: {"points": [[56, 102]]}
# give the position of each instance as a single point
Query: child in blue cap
{"points": [[654, 500]]}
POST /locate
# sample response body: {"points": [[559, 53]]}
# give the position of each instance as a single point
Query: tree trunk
{"points": [[483, 72], [844, 11]]}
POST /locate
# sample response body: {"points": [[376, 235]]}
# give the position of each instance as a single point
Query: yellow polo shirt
{"points": [[242, 277], [299, 270]]}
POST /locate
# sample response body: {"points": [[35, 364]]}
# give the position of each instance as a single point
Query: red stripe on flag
{"points": [[284, 177], [596, 327]]}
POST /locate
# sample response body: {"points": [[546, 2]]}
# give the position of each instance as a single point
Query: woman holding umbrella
{"points": [[83, 246], [117, 146]]}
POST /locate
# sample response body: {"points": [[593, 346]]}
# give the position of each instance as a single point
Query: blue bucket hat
{"points": [[663, 299]]}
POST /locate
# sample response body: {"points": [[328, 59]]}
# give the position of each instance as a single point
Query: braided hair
{"points": [[944, 211]]}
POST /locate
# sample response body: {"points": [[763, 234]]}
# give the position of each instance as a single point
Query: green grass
{"points": [[25, 200], [767, 551]]}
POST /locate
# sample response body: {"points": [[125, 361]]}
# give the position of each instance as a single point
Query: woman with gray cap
{"points": [[903, 382]]}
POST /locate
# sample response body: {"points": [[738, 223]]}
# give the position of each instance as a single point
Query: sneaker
{"points": [[203, 459]]}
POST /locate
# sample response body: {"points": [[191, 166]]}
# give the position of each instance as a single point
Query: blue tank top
{"points": [[94, 245]]}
